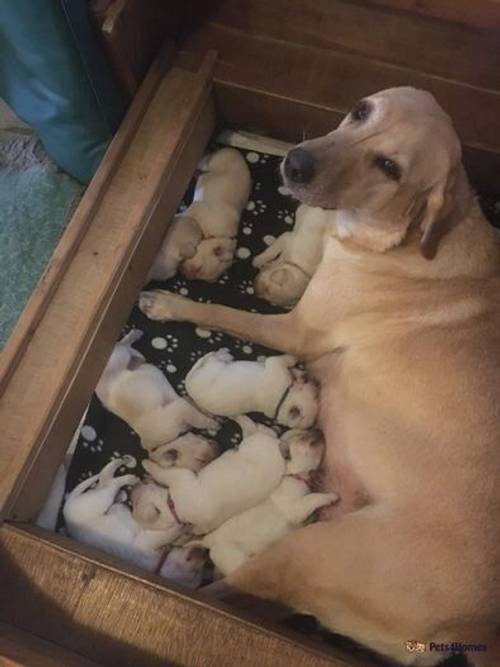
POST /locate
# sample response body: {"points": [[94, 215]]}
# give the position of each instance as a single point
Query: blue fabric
{"points": [[54, 75]]}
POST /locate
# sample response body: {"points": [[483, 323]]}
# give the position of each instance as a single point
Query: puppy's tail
{"points": [[132, 337]]}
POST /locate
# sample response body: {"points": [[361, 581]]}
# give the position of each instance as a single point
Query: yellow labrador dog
{"points": [[401, 325]]}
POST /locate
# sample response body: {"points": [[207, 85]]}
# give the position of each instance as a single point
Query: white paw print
{"points": [[116, 455], [85, 475], [172, 343], [167, 365], [247, 228], [284, 215], [181, 388], [216, 337], [235, 439], [246, 287], [181, 287], [97, 446], [196, 354], [201, 299], [257, 186], [182, 208], [224, 279], [244, 345], [256, 206]]}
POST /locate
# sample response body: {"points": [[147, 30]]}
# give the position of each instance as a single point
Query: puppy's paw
{"points": [[160, 305], [330, 499], [129, 480]]}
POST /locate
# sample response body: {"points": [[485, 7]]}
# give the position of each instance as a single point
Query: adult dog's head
{"points": [[394, 161]]}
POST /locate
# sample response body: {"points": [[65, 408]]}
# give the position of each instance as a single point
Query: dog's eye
{"points": [[218, 251], [294, 413], [361, 111], [390, 168]]}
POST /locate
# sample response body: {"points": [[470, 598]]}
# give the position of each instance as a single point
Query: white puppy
{"points": [[93, 516], [187, 451], [141, 395], [286, 267], [201, 240], [185, 565], [225, 387], [288, 507], [237, 480]]}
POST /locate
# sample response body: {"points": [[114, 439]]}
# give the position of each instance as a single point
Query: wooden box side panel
{"points": [[62, 592], [53, 380]]}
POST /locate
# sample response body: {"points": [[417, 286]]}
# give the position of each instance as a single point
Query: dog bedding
{"points": [[174, 347]]}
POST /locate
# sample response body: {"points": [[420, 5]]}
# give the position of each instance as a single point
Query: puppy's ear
{"points": [[279, 276], [443, 202]]}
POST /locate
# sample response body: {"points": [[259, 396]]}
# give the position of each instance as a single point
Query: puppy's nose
{"points": [[299, 166]]}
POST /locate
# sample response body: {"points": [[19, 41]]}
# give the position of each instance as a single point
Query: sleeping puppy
{"points": [[181, 242], [288, 507], [185, 566], [286, 267], [93, 516], [141, 395], [225, 387], [213, 257], [187, 451], [220, 196], [201, 240], [239, 479]]}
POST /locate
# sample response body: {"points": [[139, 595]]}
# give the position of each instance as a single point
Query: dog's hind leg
{"points": [[363, 575]]}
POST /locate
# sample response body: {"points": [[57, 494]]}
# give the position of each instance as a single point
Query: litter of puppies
{"points": [[195, 505]]}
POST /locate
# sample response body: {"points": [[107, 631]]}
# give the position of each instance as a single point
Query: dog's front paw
{"points": [[162, 305]]}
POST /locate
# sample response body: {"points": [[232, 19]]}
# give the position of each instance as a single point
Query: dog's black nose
{"points": [[299, 166]]}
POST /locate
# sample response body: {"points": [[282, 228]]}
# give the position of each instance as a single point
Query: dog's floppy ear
{"points": [[441, 205]]}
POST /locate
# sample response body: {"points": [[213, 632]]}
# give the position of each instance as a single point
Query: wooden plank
{"points": [[132, 32], [47, 394], [68, 595], [34, 310], [21, 649], [482, 14], [446, 49], [336, 80], [293, 120]]}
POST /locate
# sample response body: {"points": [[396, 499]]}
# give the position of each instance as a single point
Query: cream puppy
{"points": [[93, 516], [288, 507], [225, 387], [239, 479], [201, 240], [187, 451], [141, 395], [286, 267], [181, 242], [213, 257]]}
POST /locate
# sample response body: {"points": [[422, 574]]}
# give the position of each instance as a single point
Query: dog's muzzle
{"points": [[299, 166]]}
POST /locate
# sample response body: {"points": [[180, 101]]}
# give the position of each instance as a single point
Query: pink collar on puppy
{"points": [[171, 507]]}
